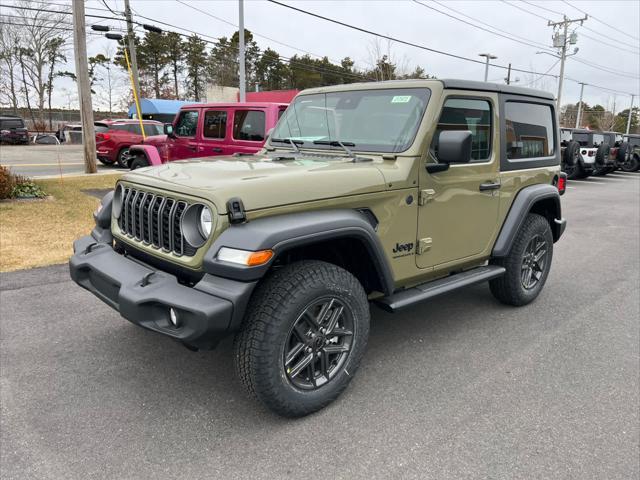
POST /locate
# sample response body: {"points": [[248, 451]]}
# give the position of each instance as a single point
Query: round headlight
{"points": [[206, 221], [197, 224], [118, 197]]}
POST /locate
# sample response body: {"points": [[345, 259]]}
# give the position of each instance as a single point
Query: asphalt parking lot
{"points": [[461, 387], [47, 160]]}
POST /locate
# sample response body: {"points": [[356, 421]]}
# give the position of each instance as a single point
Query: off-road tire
{"points": [[571, 161], [138, 162], [123, 157], [623, 151], [509, 288], [276, 306], [632, 164], [600, 167]]}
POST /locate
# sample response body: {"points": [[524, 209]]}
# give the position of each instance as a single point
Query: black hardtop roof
{"points": [[495, 87], [632, 135]]}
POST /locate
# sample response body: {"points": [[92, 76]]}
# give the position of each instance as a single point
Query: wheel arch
{"points": [[150, 152], [541, 199], [346, 238]]}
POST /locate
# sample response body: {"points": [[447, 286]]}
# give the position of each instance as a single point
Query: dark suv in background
{"points": [[114, 137], [13, 130]]}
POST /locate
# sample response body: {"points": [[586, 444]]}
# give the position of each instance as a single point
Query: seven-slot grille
{"points": [[154, 220]]}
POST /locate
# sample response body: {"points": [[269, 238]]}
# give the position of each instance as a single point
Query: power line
{"points": [[537, 46], [555, 12], [536, 79], [524, 10], [608, 70], [598, 20], [397, 40]]}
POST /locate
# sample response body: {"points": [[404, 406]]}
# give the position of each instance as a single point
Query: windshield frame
{"points": [[309, 145]]}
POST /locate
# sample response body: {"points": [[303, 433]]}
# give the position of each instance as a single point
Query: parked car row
{"points": [[588, 152]]}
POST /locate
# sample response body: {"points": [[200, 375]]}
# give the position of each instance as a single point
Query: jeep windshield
{"points": [[384, 120]]}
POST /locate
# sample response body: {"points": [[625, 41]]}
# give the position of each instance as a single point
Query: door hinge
{"points": [[424, 245], [425, 196]]}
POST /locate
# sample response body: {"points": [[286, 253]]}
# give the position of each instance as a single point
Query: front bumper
{"points": [[206, 312]]}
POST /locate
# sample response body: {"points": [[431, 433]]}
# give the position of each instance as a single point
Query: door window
{"points": [[467, 114], [249, 125], [215, 124], [187, 123], [529, 130]]}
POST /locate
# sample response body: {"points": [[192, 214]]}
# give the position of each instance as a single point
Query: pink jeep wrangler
{"points": [[207, 129]]}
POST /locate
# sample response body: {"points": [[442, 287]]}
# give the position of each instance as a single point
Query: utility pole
{"points": [[243, 81], [132, 51], [561, 41], [579, 115], [486, 65], [630, 113], [508, 79], [84, 86]]}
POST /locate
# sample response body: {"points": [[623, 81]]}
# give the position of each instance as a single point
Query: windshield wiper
{"points": [[338, 143], [290, 141]]}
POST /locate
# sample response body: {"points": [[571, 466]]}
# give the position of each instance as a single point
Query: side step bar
{"points": [[428, 290]]}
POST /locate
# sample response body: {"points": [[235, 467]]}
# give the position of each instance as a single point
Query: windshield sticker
{"points": [[401, 99]]}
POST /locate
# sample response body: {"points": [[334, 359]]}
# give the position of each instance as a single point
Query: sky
{"points": [[600, 44]]}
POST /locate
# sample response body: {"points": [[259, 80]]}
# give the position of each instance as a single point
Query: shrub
{"points": [[27, 189], [7, 182]]}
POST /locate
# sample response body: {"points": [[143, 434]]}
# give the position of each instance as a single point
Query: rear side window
{"points": [[152, 129], [8, 123], [215, 124], [467, 114], [187, 123], [249, 125], [98, 128], [529, 130]]}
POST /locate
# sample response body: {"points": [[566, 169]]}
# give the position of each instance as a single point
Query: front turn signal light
{"points": [[244, 257]]}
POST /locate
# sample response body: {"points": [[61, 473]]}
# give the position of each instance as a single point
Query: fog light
{"points": [[173, 315]]}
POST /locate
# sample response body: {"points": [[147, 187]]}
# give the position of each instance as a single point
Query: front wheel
{"points": [[303, 337], [527, 264], [139, 162], [631, 164]]}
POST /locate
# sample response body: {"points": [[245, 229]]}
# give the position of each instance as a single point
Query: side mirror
{"points": [[168, 130], [454, 146]]}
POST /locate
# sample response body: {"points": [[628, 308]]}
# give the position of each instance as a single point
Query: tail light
{"points": [[561, 183], [101, 137]]}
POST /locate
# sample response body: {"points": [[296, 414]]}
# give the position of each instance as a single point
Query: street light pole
{"points": [[582, 84], [243, 82], [84, 86], [488, 56]]}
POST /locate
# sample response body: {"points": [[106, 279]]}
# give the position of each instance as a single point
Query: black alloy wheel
{"points": [[318, 344], [534, 262]]}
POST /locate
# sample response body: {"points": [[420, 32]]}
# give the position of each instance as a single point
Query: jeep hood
{"points": [[262, 182]]}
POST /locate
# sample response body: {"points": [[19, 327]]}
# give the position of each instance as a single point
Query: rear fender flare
{"points": [[523, 204]]}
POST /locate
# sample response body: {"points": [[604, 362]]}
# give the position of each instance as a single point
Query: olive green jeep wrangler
{"points": [[386, 193]]}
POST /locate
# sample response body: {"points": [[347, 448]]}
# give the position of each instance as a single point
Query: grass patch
{"points": [[41, 232]]}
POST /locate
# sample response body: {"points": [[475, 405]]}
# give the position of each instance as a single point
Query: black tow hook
{"points": [[145, 279]]}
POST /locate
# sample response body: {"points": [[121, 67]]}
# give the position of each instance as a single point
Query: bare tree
{"points": [[9, 65], [41, 40]]}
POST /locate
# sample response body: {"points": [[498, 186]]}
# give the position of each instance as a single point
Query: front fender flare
{"points": [[149, 151], [283, 232]]}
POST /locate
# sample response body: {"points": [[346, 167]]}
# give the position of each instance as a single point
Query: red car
{"points": [[204, 130], [114, 137]]}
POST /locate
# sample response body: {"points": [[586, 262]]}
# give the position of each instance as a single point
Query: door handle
{"points": [[489, 186], [217, 150]]}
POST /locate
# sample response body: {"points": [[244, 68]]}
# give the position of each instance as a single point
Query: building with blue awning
{"points": [[158, 109]]}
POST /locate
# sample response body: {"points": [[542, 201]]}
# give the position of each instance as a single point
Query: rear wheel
{"points": [[105, 161], [527, 264], [303, 337], [123, 157], [139, 162], [571, 161], [631, 164]]}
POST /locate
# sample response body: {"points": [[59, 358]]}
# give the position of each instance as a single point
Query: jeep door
{"points": [[215, 132], [249, 129], [184, 144], [459, 206]]}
